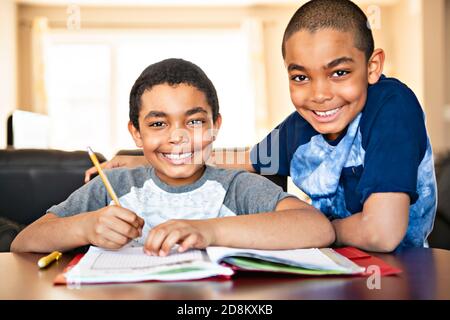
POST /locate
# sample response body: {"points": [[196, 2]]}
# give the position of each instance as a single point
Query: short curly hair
{"points": [[342, 15], [172, 72]]}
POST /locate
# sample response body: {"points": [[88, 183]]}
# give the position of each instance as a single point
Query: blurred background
{"points": [[67, 67]]}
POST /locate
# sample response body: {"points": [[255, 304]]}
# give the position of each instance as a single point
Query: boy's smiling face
{"points": [[176, 131], [328, 78]]}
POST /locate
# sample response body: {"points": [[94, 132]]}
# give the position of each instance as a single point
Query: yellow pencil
{"points": [[105, 180], [45, 261]]}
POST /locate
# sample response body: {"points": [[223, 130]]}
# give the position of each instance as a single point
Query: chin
{"points": [[181, 172], [330, 128]]}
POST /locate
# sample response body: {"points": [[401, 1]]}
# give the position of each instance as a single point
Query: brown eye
{"points": [[299, 78], [341, 73], [196, 122], [157, 124]]}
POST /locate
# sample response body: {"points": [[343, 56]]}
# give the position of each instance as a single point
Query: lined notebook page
{"points": [[131, 264], [135, 258]]}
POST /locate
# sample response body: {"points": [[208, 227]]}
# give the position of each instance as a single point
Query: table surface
{"points": [[426, 275]]}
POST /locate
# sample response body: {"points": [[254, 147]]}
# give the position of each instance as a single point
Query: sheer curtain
{"points": [[38, 37], [253, 30]]}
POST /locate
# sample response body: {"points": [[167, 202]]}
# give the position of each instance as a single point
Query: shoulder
{"points": [[393, 94], [128, 177], [294, 123], [221, 175], [391, 105], [293, 132]]}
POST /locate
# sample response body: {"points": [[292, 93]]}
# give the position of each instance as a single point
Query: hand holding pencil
{"points": [[112, 226]]}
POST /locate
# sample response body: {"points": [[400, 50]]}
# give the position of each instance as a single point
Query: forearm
{"points": [[51, 234], [350, 232], [381, 225], [287, 229], [357, 231]]}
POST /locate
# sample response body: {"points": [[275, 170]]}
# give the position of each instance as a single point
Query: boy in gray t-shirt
{"points": [[174, 116]]}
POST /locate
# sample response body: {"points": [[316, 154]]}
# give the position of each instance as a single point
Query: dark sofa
{"points": [[440, 236], [31, 181]]}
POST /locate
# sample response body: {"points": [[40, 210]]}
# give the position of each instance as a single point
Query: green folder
{"points": [[252, 264]]}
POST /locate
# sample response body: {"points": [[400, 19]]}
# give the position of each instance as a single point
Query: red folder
{"points": [[60, 278], [365, 260], [359, 257]]}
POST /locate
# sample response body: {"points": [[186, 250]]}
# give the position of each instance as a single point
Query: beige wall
{"points": [[447, 70], [8, 53], [412, 34], [404, 51], [434, 71], [416, 55]]}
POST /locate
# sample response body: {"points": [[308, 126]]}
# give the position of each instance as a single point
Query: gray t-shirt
{"points": [[218, 193]]}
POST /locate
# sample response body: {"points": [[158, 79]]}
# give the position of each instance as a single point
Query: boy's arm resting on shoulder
{"points": [[109, 227], [117, 162], [380, 227]]}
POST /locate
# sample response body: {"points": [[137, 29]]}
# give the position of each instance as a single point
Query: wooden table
{"points": [[426, 275]]}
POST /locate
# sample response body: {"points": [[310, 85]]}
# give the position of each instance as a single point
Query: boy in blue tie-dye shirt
{"points": [[357, 144]]}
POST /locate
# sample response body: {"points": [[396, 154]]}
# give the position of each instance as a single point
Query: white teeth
{"points": [[327, 113], [178, 156]]}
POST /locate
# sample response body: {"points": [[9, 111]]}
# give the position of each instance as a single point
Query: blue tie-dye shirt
{"points": [[384, 149]]}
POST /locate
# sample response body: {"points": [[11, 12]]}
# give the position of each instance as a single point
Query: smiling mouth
{"points": [[178, 158], [327, 114]]}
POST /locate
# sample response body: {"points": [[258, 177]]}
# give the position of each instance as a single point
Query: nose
{"points": [[321, 91], [179, 136]]}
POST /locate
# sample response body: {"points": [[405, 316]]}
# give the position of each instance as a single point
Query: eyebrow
{"points": [[339, 61], [195, 110], [155, 114], [329, 65], [162, 114]]}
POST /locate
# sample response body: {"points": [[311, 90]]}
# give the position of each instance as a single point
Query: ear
{"points": [[375, 66], [216, 126], [135, 134]]}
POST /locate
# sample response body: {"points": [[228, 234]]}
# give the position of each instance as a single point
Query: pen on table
{"points": [[45, 261], [104, 178]]}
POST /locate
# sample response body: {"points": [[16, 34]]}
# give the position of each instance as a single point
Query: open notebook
{"points": [[130, 264]]}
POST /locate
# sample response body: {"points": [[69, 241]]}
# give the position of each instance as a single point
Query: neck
{"points": [[178, 182]]}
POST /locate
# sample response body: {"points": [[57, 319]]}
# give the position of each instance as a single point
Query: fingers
{"points": [[93, 170], [129, 217], [162, 242], [154, 241], [114, 227], [188, 243], [162, 238], [110, 239], [116, 238], [123, 228], [88, 173], [190, 234], [104, 165]]}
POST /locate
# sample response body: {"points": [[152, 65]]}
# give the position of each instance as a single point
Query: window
{"points": [[89, 76]]}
